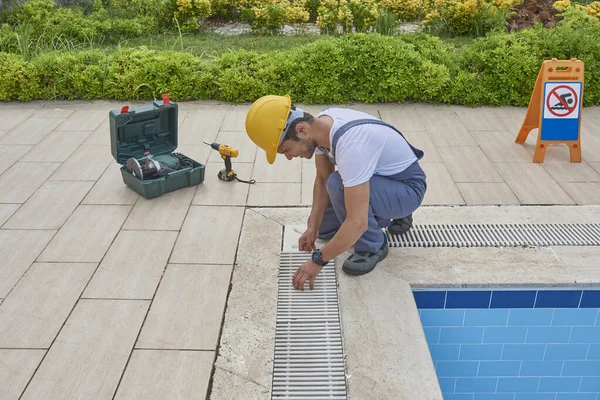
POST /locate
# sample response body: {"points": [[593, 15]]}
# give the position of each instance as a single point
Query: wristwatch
{"points": [[317, 258]]}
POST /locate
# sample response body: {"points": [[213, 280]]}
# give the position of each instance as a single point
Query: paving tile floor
{"points": [[105, 294]]}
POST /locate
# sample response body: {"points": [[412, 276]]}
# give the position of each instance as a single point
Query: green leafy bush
{"points": [[464, 17], [502, 69], [17, 81], [499, 69]]}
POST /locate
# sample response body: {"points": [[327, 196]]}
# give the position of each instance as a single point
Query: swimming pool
{"points": [[513, 344]]}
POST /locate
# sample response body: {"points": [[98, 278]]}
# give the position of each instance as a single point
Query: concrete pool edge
{"points": [[244, 360]]}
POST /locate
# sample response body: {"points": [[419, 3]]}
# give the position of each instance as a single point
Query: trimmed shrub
{"points": [[146, 74], [17, 81], [499, 69], [503, 68]]}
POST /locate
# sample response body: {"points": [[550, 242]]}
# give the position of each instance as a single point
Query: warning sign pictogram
{"points": [[562, 100]]}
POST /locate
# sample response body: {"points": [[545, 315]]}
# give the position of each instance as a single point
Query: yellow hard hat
{"points": [[265, 122]]}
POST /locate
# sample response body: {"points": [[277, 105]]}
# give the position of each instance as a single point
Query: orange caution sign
{"points": [[555, 108]]}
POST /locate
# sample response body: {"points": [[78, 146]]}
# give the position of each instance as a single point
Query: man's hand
{"points": [[309, 270], [307, 240]]}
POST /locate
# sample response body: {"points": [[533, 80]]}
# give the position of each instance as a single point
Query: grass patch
{"points": [[211, 45]]}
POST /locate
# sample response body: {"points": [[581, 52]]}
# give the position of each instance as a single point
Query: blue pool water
{"points": [[513, 344]]}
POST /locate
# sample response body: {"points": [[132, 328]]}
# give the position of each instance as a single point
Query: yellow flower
{"points": [[562, 5]]}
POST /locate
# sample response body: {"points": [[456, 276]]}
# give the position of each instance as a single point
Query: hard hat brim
{"points": [[272, 155]]}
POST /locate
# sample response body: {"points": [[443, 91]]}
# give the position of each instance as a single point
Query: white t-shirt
{"points": [[367, 149]]}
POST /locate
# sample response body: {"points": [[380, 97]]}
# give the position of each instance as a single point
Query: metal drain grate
{"points": [[505, 235], [309, 359]]}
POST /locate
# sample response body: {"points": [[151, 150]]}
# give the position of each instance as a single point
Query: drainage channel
{"points": [[308, 358], [498, 235]]}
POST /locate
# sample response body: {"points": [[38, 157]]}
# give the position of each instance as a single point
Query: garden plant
{"points": [[471, 52]]}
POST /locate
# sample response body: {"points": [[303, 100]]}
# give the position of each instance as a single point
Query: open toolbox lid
{"points": [[150, 128]]}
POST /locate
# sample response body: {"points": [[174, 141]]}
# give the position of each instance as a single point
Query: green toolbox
{"points": [[143, 141]]}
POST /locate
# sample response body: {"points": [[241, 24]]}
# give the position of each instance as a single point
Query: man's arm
{"points": [[320, 196], [356, 199]]}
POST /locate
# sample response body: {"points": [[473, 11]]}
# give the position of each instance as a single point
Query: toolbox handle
{"points": [[166, 100]]}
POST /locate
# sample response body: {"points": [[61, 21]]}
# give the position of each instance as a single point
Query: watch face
{"points": [[315, 256]]}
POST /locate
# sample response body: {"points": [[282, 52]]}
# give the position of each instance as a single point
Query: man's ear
{"points": [[301, 130]]}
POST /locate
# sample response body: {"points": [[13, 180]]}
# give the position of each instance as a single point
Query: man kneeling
{"points": [[378, 183]]}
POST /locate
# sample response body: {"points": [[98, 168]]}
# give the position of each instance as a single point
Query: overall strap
{"points": [[344, 128]]}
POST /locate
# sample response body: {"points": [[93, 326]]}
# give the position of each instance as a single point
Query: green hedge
{"points": [[499, 69]]}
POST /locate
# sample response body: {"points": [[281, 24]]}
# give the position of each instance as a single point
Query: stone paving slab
{"points": [[166, 269], [165, 212], [11, 153], [133, 266], [86, 235], [16, 369], [166, 374], [6, 211], [181, 319], [40, 303], [31, 131], [18, 250], [90, 353], [64, 196], [57, 146], [22, 180], [110, 190]]}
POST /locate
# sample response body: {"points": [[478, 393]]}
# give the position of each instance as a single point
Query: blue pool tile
{"points": [[480, 352], [576, 396], [558, 298], [458, 396], [516, 385], [499, 368], [513, 299], [581, 368], [447, 384], [476, 385], [541, 368], [530, 317], [487, 317], [504, 335], [523, 352], [442, 317], [561, 352], [468, 299], [444, 352], [495, 396], [432, 334], [430, 299], [557, 334], [590, 298], [590, 385], [575, 316], [594, 353], [451, 369], [461, 335], [559, 384], [535, 396], [585, 334]]}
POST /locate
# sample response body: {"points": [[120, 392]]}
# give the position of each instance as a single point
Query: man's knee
{"points": [[334, 183]]}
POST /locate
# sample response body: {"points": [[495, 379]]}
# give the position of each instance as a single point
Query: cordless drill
{"points": [[226, 152]]}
